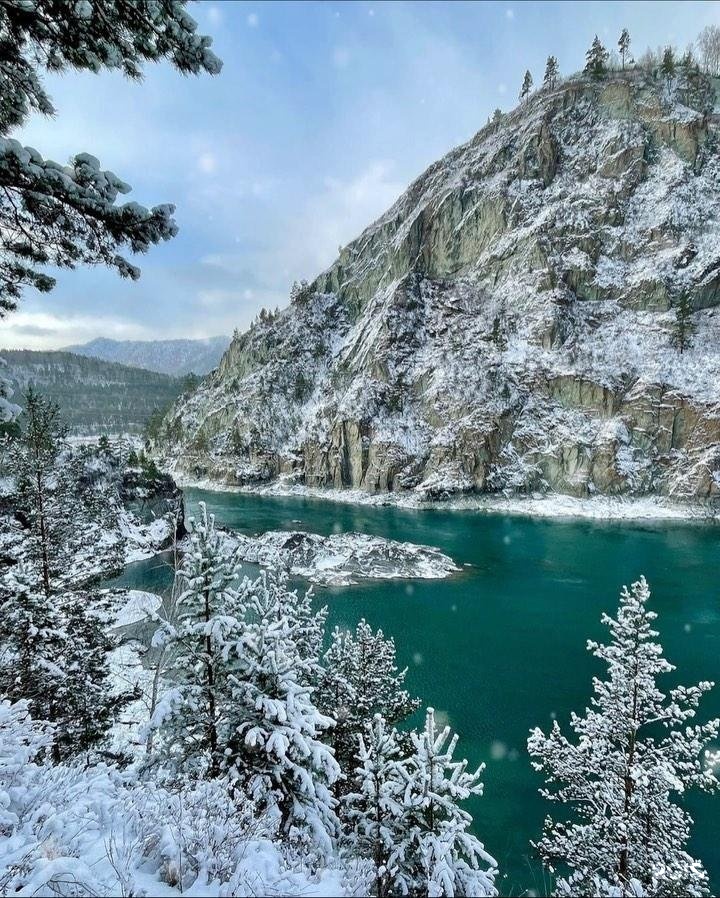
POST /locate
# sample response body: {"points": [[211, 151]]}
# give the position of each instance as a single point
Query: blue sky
{"points": [[324, 112]]}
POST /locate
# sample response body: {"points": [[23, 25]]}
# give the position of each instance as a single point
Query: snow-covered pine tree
{"points": [[684, 328], [361, 678], [497, 116], [274, 752], [374, 811], [53, 655], [552, 70], [596, 59], [206, 620], [63, 215], [434, 853], [624, 46], [635, 751], [526, 85]]}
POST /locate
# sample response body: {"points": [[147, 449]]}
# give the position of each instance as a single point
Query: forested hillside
{"points": [[94, 396], [174, 357]]}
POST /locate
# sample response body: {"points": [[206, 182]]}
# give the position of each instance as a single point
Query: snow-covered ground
{"points": [[344, 558]]}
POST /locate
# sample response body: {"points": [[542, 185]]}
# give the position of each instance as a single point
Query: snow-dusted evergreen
{"points": [[406, 814], [63, 215], [635, 755], [360, 679]]}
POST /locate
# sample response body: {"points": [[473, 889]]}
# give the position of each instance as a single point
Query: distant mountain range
{"points": [[94, 396], [173, 357]]}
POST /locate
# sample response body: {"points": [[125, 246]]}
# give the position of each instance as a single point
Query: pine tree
{"points": [[375, 810], [205, 619], [60, 221], [435, 854], [526, 85], [552, 70], [32, 459], [53, 655], [635, 750], [667, 66], [596, 59], [360, 678], [274, 752], [497, 117], [684, 328], [624, 46]]}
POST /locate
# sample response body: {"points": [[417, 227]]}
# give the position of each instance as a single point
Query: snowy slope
{"points": [[507, 326]]}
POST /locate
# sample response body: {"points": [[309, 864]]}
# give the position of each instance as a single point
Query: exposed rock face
{"points": [[506, 326]]}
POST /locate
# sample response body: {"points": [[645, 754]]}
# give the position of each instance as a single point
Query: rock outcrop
{"points": [[508, 325]]}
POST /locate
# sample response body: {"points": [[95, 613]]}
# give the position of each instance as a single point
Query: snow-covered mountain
{"points": [[174, 357], [510, 324]]}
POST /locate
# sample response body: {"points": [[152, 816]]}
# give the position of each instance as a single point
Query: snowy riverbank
{"points": [[539, 505]]}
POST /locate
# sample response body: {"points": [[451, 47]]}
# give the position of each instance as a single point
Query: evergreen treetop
{"points": [[596, 59]]}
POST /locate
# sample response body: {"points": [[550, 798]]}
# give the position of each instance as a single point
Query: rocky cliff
{"points": [[510, 324]]}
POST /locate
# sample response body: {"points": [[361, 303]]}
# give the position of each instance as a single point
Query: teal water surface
{"points": [[500, 647]]}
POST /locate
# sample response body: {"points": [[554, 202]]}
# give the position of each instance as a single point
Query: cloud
{"points": [[253, 20], [46, 330]]}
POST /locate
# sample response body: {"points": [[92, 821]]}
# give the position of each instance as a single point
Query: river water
{"points": [[500, 647]]}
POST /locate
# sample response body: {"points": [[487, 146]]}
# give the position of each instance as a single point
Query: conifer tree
{"points": [[624, 46], [435, 854], [497, 116], [375, 810], [636, 749], [360, 678], [275, 751], [63, 215], [596, 60], [552, 70], [206, 618], [526, 85], [32, 461], [683, 328], [667, 67]]}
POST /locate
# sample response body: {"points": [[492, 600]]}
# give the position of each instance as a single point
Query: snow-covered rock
{"points": [[507, 326], [138, 606], [343, 558]]}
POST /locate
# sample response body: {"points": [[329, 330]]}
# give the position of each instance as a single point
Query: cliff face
{"points": [[508, 325]]}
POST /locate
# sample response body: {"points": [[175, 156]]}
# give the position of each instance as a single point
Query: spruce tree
{"points": [[684, 328], [497, 117], [526, 85], [596, 60], [552, 70], [636, 749], [624, 46], [360, 679]]}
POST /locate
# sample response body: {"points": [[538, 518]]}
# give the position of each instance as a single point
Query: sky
{"points": [[323, 114]]}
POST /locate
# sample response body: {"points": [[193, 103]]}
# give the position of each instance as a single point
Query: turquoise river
{"points": [[500, 647]]}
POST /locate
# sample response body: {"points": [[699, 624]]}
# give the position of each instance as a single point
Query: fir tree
{"points": [[360, 678], [624, 46], [552, 70], [596, 59], [46, 219], [526, 85], [683, 328], [497, 117], [635, 750], [667, 67]]}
